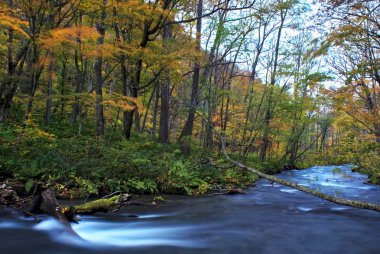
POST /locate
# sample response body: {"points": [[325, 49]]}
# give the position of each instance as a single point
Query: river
{"points": [[268, 218]]}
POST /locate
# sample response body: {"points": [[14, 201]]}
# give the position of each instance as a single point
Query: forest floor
{"points": [[80, 166]]}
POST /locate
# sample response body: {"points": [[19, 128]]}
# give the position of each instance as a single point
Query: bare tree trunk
{"points": [[155, 113], [80, 69], [163, 136], [34, 78], [188, 128], [137, 121], [80, 74], [49, 89], [135, 80], [251, 84], [148, 106], [101, 28], [209, 140], [128, 115], [5, 104], [269, 110]]}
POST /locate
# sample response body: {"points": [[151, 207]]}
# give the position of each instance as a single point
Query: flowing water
{"points": [[269, 218]]}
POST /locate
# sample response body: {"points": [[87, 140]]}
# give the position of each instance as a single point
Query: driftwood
{"points": [[106, 204], [341, 201], [44, 201]]}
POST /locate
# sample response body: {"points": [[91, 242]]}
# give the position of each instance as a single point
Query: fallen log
{"points": [[44, 201], [103, 205], [341, 201], [51, 206]]}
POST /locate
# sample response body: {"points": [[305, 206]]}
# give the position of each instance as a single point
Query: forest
{"points": [[134, 96]]}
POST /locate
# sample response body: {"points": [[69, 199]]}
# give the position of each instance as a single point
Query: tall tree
{"points": [[101, 28], [163, 135], [283, 10], [187, 130]]}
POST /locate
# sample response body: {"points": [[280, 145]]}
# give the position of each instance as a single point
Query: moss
{"points": [[100, 205]]}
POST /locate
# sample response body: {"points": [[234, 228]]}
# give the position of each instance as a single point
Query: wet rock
{"points": [[7, 195]]}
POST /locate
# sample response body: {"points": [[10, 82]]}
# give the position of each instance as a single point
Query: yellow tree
{"points": [[13, 26]]}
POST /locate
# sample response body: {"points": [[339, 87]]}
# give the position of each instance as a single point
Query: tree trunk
{"points": [[49, 89], [155, 113], [135, 80], [10, 70], [148, 106], [137, 121], [99, 114], [187, 130], [80, 74], [34, 80], [269, 110], [44, 200], [5, 104], [102, 205], [163, 136], [135, 84]]}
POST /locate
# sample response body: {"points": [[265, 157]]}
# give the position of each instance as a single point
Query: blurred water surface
{"points": [[269, 218]]}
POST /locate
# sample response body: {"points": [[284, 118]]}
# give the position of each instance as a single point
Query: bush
{"points": [[82, 165]]}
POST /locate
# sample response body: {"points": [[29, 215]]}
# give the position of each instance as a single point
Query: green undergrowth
{"points": [[82, 165]]}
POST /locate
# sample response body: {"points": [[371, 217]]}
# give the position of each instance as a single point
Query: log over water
{"points": [[44, 200], [341, 201]]}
